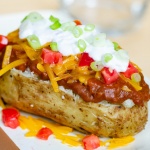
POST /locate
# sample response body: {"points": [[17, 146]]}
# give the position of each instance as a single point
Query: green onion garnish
{"points": [[53, 46], [96, 65], [55, 25], [34, 41], [77, 31], [89, 27], [107, 57], [136, 77], [81, 45], [53, 19], [68, 26], [116, 46], [33, 17]]}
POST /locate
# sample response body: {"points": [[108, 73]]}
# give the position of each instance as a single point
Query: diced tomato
{"points": [[44, 133], [51, 57], [130, 70], [77, 22], [10, 117], [3, 42], [85, 60], [109, 76], [91, 142]]}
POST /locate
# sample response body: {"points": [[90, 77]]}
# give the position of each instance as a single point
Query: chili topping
{"points": [[76, 57]]}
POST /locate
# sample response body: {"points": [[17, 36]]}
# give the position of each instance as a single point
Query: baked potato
{"points": [[38, 97], [72, 74]]}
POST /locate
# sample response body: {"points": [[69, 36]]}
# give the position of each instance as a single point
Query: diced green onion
{"points": [[53, 46], [68, 26], [55, 25], [107, 57], [89, 27], [34, 41], [136, 77], [96, 65], [99, 40], [53, 19], [77, 31], [33, 17], [116, 46], [81, 45]]}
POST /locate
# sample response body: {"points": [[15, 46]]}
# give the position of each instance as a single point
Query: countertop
{"points": [[136, 42]]}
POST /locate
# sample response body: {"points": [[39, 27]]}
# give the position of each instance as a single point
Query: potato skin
{"points": [[37, 97]]}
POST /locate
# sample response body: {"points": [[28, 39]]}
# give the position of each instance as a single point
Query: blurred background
{"points": [[125, 21], [110, 16]]}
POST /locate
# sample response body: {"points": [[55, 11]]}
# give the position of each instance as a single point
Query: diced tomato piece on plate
{"points": [[91, 142], [10, 117], [44, 133]]}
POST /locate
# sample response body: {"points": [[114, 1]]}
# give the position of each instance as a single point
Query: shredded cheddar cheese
{"points": [[62, 133], [51, 76], [12, 65], [40, 67], [69, 63], [31, 53], [6, 58], [117, 142], [134, 84], [62, 77]]}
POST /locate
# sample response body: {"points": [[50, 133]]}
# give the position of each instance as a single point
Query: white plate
{"points": [[11, 22]]}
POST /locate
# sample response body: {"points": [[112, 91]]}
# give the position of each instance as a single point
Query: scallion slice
{"points": [[136, 77], [81, 45], [33, 41], [33, 17], [89, 27], [55, 25], [116, 46], [96, 65], [68, 26], [53, 19], [53, 46], [77, 31], [107, 57]]}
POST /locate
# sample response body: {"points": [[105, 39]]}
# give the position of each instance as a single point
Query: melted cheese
{"points": [[12, 65], [117, 142], [62, 133]]}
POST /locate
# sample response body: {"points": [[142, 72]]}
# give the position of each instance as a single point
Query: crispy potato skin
{"points": [[36, 96]]}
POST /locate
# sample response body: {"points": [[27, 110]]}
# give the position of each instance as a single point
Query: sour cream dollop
{"points": [[97, 45]]}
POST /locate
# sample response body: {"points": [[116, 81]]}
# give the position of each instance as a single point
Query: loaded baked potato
{"points": [[104, 94]]}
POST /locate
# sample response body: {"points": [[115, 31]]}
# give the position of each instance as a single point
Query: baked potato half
{"points": [[32, 95]]}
